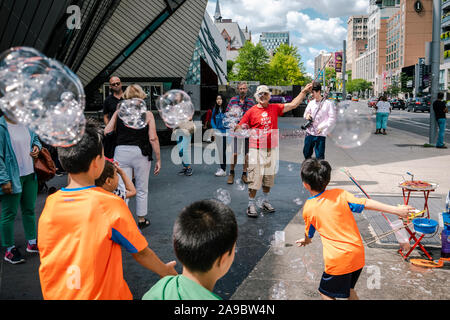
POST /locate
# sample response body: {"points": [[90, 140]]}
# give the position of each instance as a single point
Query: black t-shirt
{"points": [[110, 105], [134, 137], [439, 107]]}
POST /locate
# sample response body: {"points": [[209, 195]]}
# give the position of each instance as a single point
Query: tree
{"points": [[404, 79], [358, 85], [230, 70], [252, 63], [286, 67]]}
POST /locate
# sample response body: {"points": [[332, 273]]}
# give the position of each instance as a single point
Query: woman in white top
{"points": [[383, 109]]}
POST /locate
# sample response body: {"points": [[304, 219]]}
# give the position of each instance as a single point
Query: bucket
{"points": [[401, 235], [424, 225]]}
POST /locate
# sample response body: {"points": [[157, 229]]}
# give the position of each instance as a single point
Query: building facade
{"points": [[272, 40], [356, 38], [444, 77], [319, 63]]}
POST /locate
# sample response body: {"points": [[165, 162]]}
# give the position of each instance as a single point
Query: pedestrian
{"points": [[109, 180], [82, 229], [440, 111], [206, 124], [134, 152], [220, 130], [184, 133], [330, 213], [109, 107], [262, 120], [19, 185], [204, 241], [320, 114], [245, 103], [383, 109]]}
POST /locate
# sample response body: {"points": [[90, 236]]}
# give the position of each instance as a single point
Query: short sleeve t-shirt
{"points": [[21, 143], [383, 106], [439, 107], [80, 235], [179, 288], [110, 105], [264, 122], [331, 214]]}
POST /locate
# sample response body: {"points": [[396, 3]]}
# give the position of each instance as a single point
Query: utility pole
{"points": [[344, 62], [435, 63]]}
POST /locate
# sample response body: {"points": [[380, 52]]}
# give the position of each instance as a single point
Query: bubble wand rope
{"points": [[347, 172]]}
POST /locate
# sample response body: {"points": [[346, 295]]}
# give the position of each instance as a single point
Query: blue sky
{"points": [[314, 25]]}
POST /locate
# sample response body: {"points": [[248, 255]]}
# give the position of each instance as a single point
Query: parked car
{"points": [[372, 102], [355, 98], [349, 97], [277, 99], [419, 104], [397, 104]]}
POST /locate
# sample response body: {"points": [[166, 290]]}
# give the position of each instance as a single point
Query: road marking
{"points": [[414, 123]]}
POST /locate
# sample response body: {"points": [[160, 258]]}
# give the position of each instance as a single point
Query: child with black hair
{"points": [[330, 213], [109, 180], [81, 231], [204, 240]]}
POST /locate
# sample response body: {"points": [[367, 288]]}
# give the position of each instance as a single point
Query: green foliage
{"points": [[358, 85], [404, 78], [284, 68]]}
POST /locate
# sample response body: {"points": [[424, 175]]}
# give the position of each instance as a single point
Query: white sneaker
{"points": [[220, 173]]}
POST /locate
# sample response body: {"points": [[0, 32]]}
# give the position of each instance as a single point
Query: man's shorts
{"points": [[262, 167], [339, 286]]}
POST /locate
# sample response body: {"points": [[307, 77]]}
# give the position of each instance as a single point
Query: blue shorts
{"points": [[339, 286]]}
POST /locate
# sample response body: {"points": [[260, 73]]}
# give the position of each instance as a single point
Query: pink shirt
{"points": [[323, 120]]}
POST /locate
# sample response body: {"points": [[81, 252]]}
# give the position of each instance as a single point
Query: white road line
{"points": [[413, 123]]}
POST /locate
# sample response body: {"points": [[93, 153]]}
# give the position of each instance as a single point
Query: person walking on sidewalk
{"points": [[440, 110], [218, 114], [330, 212], [134, 152], [383, 109], [321, 114], [19, 185], [109, 107], [262, 120], [245, 103]]}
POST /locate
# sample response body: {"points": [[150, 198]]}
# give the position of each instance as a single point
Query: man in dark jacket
{"points": [[440, 110]]}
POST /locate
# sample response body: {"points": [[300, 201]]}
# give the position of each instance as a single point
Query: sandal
{"points": [[144, 224]]}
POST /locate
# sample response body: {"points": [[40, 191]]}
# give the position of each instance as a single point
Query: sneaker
{"points": [[267, 207], [220, 173], [32, 248], [244, 178], [14, 256], [182, 172], [230, 179], [251, 211], [188, 172]]}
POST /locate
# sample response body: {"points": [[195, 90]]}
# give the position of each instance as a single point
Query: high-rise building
{"points": [[408, 30], [444, 76], [272, 40], [319, 63], [356, 38]]}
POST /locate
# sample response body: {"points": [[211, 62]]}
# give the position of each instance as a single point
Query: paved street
{"points": [[260, 273]]}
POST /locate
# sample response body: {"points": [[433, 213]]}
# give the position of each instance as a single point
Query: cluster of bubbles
{"points": [[232, 117], [42, 94], [354, 125], [295, 133], [223, 196], [278, 242], [133, 113], [175, 108]]}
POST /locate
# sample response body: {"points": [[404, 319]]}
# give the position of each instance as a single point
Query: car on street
{"points": [[277, 99], [372, 102], [348, 97], [355, 98], [419, 104], [397, 104]]}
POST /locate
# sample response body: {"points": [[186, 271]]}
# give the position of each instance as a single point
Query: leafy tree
{"points": [[286, 67], [230, 70], [404, 78], [358, 85], [252, 63]]}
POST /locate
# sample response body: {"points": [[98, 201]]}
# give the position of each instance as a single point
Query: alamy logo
{"points": [[73, 281], [74, 20]]}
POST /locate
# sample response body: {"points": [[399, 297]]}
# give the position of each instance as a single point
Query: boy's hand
{"points": [[118, 168], [303, 242], [404, 211], [171, 268]]}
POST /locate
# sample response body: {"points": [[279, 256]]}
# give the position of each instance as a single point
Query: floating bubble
{"points": [[353, 127], [259, 201], [239, 184], [260, 232], [223, 196], [298, 201], [133, 113], [175, 108], [278, 242], [290, 167]]}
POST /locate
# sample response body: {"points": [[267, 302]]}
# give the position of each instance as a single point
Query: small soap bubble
{"points": [[133, 113], [175, 108], [298, 201], [223, 196], [239, 184]]}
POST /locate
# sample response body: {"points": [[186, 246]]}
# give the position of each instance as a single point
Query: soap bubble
{"points": [[259, 201], [133, 113], [42, 94], [239, 184], [175, 108], [353, 127], [223, 196], [290, 167], [298, 201]]}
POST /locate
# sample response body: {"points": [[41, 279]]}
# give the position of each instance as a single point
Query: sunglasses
{"points": [[115, 84]]}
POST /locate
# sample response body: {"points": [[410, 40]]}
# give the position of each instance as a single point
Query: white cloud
{"points": [[310, 64]]}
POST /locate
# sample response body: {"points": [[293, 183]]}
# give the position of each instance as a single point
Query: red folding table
{"points": [[406, 190]]}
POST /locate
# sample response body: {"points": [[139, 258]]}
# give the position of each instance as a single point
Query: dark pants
{"points": [[314, 143]]}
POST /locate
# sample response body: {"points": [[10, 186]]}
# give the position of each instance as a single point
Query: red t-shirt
{"points": [[265, 121]]}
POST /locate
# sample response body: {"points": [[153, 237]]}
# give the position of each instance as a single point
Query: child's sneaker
{"points": [[32, 248], [220, 173], [13, 256], [182, 172], [188, 172]]}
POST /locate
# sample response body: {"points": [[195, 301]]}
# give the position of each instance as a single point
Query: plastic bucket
{"points": [[424, 225], [401, 235]]}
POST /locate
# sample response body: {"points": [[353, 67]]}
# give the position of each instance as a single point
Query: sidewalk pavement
{"points": [[378, 166]]}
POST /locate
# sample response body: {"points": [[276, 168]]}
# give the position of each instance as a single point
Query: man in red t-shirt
{"points": [[262, 122]]}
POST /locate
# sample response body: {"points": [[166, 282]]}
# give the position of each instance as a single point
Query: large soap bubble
{"points": [[354, 125], [43, 94], [133, 113], [175, 108]]}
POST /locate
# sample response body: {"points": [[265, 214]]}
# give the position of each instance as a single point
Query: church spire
{"points": [[218, 15]]}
